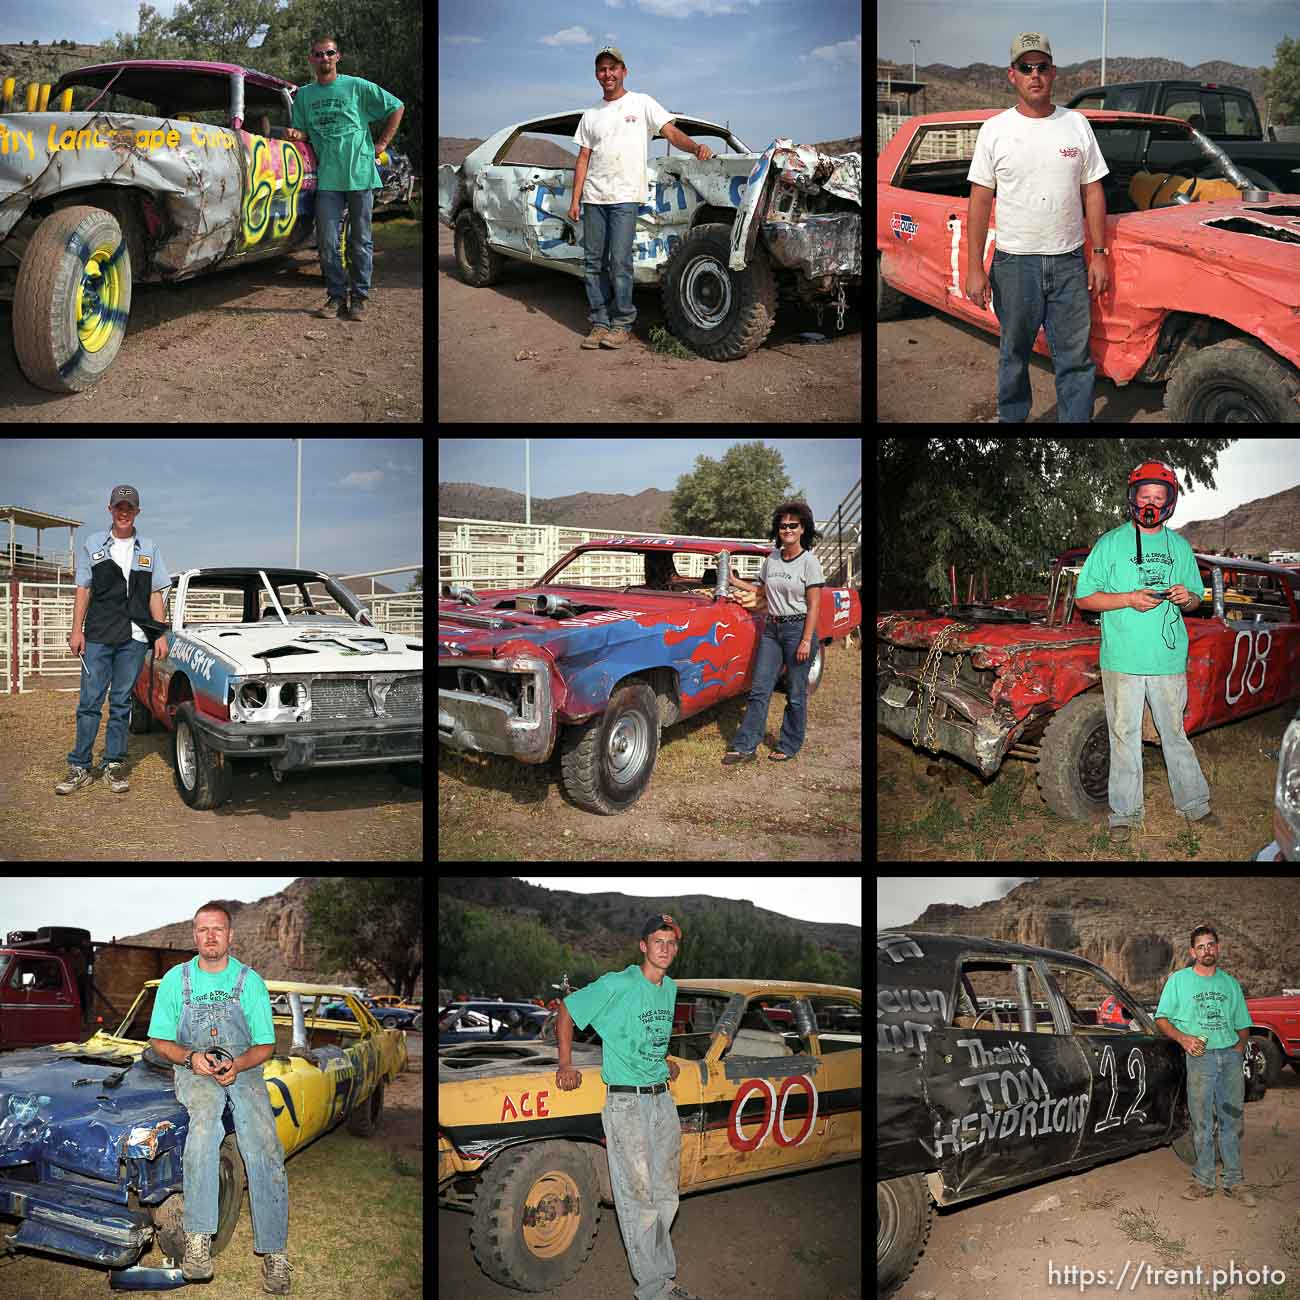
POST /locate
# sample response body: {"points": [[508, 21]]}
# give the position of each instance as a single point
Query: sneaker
{"points": [[615, 338], [275, 1274], [735, 756], [115, 775], [1238, 1193], [356, 308], [597, 335], [1198, 1193], [78, 778], [332, 307], [197, 1264], [1121, 834]]}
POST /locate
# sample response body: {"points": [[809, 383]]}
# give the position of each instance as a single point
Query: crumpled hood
{"points": [[529, 1056], [327, 647], [85, 1109]]}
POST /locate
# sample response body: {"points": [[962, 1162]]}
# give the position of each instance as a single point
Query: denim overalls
{"points": [[222, 1024]]}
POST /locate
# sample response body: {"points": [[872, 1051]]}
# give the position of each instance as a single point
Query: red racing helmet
{"points": [[1152, 471]]}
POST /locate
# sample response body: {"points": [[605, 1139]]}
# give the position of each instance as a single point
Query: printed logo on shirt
{"points": [[99, 555], [146, 561], [1073, 151]]}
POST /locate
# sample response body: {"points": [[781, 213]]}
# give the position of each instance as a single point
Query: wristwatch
{"points": [[1102, 250], [189, 1062]]}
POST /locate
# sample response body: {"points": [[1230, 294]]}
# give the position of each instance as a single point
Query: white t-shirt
{"points": [[1037, 166], [618, 134]]}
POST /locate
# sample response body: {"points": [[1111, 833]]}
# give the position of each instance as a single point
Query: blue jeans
{"points": [[643, 1139], [1049, 290], [777, 646], [106, 666], [608, 239], [1167, 695], [1216, 1085], [361, 248]]}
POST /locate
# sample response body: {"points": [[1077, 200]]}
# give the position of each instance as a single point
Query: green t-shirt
{"points": [[634, 1019], [335, 118], [1212, 1005], [254, 1000], [1153, 643]]}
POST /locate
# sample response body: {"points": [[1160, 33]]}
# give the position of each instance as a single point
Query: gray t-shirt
{"points": [[786, 582]]}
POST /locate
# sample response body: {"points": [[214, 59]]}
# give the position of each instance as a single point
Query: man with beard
{"points": [[1203, 1009]]}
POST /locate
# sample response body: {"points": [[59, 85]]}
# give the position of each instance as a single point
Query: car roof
{"points": [[696, 545], [1092, 114], [291, 986], [216, 576], [940, 945], [207, 83], [782, 988]]}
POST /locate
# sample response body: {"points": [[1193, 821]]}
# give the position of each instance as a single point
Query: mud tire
{"points": [[1074, 761], [903, 1215], [476, 263], [1234, 382], [232, 1181], [719, 313], [72, 299]]}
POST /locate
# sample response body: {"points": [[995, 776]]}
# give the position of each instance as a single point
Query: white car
{"points": [[290, 681], [718, 237]]}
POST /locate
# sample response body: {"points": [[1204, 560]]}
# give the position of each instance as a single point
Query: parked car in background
{"points": [[721, 238], [294, 682], [979, 681], [92, 1136], [600, 669], [770, 1082], [1205, 292], [173, 168]]}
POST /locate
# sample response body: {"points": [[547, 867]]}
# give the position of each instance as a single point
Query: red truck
{"points": [[599, 669], [56, 985], [1276, 1029]]}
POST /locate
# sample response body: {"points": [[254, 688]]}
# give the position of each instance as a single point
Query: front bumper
{"points": [[961, 723], [482, 723], [74, 1224], [294, 746]]}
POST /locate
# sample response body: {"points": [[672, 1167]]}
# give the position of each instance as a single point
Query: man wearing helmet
{"points": [[1142, 593]]}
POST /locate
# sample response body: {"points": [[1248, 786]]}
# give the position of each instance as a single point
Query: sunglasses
{"points": [[1030, 68], [324, 54]]}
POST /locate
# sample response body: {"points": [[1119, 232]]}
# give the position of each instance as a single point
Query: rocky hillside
{"points": [[1138, 928]]}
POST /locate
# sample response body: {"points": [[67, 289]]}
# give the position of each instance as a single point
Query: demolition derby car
{"points": [[294, 680], [171, 168], [998, 1064], [601, 669], [92, 1136], [1022, 677], [770, 1082], [719, 238], [1205, 262]]}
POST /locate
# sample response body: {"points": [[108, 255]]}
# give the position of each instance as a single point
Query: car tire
{"points": [[72, 299], [536, 1214], [364, 1119], [815, 671], [1074, 760], [232, 1180], [903, 1214], [202, 775], [1237, 381], [476, 263], [607, 761], [720, 313]]}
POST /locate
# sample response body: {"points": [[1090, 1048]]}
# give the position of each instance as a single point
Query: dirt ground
{"points": [[340, 814], [1128, 1214], [790, 1238], [493, 809], [241, 347], [934, 369], [511, 352], [935, 809]]}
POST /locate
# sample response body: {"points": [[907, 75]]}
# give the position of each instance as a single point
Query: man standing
{"points": [[212, 1020], [1045, 166], [120, 579], [1203, 1009], [334, 114], [632, 1010], [1143, 592], [611, 181]]}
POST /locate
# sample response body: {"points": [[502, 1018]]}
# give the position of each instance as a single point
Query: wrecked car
{"points": [[721, 238], [769, 1083], [599, 670], [994, 1068], [293, 680], [92, 1136], [173, 168], [1204, 264], [1022, 677]]}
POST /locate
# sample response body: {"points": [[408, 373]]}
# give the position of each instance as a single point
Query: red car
{"points": [[1205, 269], [979, 681], [638, 635]]}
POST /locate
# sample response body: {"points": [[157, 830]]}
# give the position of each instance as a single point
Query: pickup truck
{"points": [[601, 669], [1205, 273], [1225, 114]]}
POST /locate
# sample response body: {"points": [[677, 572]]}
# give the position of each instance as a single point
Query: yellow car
{"points": [[770, 1082], [92, 1135]]}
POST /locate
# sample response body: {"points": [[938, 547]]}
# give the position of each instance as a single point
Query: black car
{"points": [[995, 1069]]}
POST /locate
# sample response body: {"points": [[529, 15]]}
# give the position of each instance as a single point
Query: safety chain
{"points": [[840, 303], [930, 680]]}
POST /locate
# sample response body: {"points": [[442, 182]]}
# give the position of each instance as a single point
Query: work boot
{"points": [[1121, 834], [78, 778], [275, 1273], [197, 1264], [615, 338], [333, 307], [593, 340], [356, 309]]}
